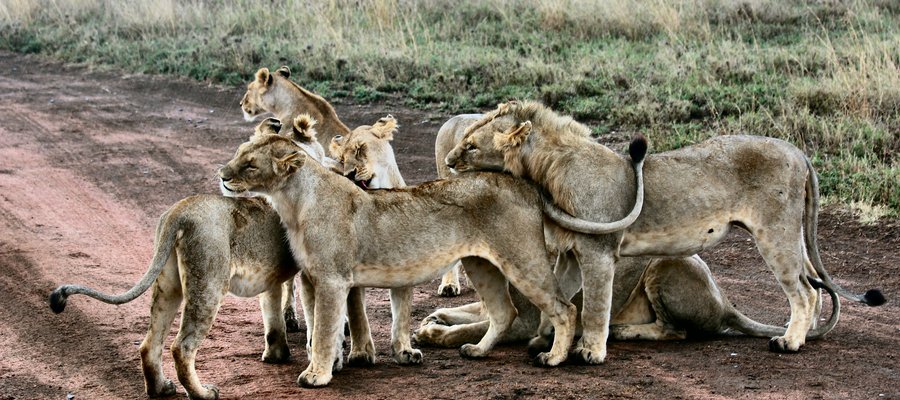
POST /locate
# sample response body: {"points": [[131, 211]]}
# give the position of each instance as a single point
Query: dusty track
{"points": [[88, 161]]}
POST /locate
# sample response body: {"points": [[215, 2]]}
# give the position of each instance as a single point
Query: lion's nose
{"points": [[451, 163], [224, 175]]}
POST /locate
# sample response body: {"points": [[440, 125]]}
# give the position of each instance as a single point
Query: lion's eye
{"points": [[248, 167], [469, 147]]}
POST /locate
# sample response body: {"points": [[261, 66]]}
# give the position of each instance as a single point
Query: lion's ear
{"points": [[303, 129], [269, 126], [284, 71], [289, 163], [385, 128], [263, 76], [514, 137]]}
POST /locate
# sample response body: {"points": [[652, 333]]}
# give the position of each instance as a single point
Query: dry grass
{"points": [[824, 74]]}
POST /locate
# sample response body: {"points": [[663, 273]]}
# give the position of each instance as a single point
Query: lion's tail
{"points": [[742, 323], [637, 149], [165, 242], [872, 297]]}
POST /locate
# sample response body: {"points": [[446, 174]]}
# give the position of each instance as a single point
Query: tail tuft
{"points": [[873, 298], [58, 300], [638, 148]]}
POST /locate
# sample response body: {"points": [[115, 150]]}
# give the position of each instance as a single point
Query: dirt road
{"points": [[88, 161]]}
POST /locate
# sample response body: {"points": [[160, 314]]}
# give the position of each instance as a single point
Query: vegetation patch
{"points": [[824, 75]]}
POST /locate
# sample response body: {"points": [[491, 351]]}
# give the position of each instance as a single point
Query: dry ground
{"points": [[88, 161]]}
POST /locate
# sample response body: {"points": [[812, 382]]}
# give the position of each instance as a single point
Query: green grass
{"points": [[824, 75]]}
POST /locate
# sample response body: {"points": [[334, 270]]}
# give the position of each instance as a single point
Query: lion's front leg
{"points": [[450, 286], [330, 308], [491, 285], [401, 346]]}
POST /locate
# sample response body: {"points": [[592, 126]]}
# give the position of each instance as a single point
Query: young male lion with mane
{"points": [[693, 196], [347, 237]]}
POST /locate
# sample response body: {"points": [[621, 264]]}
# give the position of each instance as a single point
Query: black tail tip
{"points": [[874, 298], [638, 148], [58, 301]]}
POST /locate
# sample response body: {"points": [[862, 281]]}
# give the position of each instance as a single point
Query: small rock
{"points": [[70, 396]]}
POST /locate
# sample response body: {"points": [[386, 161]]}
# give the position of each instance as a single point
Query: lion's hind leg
{"points": [[205, 282], [289, 306], [784, 255], [277, 350], [164, 305]]}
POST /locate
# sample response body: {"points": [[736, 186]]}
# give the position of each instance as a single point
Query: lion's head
{"points": [[366, 155], [497, 140], [265, 160], [260, 96]]}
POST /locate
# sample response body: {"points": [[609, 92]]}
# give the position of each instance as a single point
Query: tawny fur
{"points": [[423, 227], [693, 196], [278, 94], [653, 299]]}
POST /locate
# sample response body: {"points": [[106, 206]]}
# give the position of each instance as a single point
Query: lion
{"points": [[205, 246], [278, 94], [653, 299], [450, 133], [348, 237], [693, 196]]}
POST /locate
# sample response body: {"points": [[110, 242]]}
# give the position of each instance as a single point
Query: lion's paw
{"points": [[587, 356], [408, 357], [547, 360], [211, 392], [276, 355], [472, 351], [310, 379], [539, 344], [449, 290], [780, 345], [167, 389], [361, 359], [433, 319]]}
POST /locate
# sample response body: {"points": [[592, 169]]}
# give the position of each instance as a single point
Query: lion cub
{"points": [[347, 237]]}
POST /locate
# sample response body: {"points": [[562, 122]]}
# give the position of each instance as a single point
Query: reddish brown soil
{"points": [[90, 160]]}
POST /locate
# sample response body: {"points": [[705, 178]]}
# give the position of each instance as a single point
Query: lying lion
{"points": [[402, 237], [653, 299], [245, 238], [693, 197]]}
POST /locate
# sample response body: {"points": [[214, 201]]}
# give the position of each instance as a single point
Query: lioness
{"points": [[205, 246], [693, 196], [278, 94], [450, 133], [653, 299], [400, 237]]}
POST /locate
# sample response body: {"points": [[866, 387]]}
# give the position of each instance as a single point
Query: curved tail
{"points": [[637, 150], [872, 297], [740, 322], [165, 242]]}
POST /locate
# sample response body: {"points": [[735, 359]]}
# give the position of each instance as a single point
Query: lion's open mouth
{"points": [[364, 184]]}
